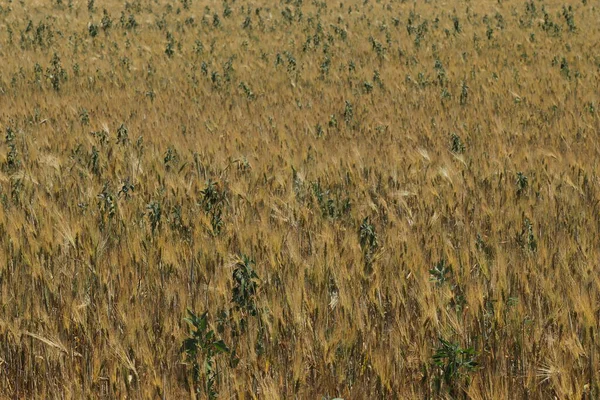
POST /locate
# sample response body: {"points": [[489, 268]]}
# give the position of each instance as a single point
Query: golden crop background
{"points": [[466, 132]]}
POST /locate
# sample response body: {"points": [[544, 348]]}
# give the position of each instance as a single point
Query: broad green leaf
{"points": [[221, 347]]}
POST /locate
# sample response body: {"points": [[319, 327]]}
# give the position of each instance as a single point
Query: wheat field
{"points": [[356, 199]]}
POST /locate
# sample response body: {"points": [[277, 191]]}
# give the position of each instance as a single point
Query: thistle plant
{"points": [[348, 112], [456, 24], [56, 73], [456, 144], [526, 238], [522, 184], [569, 16], [211, 196], [201, 348], [12, 158], [454, 364], [93, 30], [122, 134], [441, 72], [106, 22], [107, 206], [171, 157], [94, 163], [154, 215], [170, 49], [247, 91], [126, 188], [441, 272], [368, 242], [245, 285], [464, 93]]}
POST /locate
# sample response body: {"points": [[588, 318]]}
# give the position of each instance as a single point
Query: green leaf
{"points": [[203, 322], [189, 346], [209, 336], [221, 347]]}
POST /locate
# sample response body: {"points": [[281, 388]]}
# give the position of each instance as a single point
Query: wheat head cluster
{"points": [[299, 199]]}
